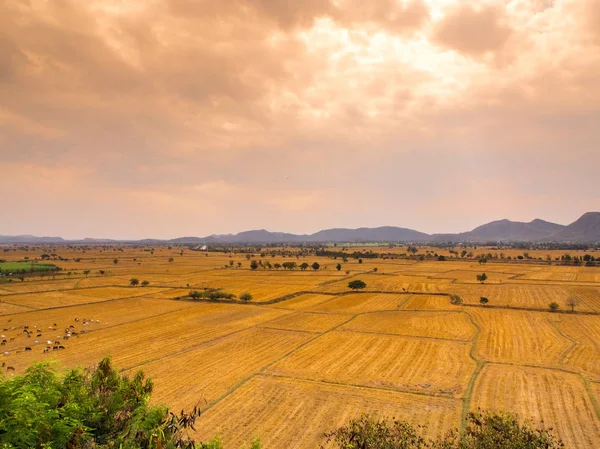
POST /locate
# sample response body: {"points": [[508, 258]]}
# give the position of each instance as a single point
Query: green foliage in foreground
{"points": [[484, 430], [97, 408], [26, 267]]}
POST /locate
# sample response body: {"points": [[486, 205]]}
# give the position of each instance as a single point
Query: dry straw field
{"points": [[306, 354]]}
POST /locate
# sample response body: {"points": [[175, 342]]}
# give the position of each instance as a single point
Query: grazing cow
{"points": [[57, 342], [76, 320], [61, 347], [25, 327], [10, 368], [27, 348], [3, 342], [49, 342], [6, 353], [39, 335], [72, 327], [3, 364], [55, 348], [12, 338]]}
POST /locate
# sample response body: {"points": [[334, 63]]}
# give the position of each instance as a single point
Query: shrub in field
{"points": [[483, 300], [456, 300], [482, 277], [134, 282], [554, 306], [356, 284], [211, 294], [484, 430], [246, 297]]}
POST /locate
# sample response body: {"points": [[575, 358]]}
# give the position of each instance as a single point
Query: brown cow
{"points": [[10, 368]]}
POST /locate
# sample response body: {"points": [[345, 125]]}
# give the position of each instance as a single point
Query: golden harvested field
{"points": [[290, 413], [584, 332], [516, 295], [559, 399], [308, 321], [519, 337], [446, 325], [320, 354], [394, 362], [362, 302], [208, 371]]}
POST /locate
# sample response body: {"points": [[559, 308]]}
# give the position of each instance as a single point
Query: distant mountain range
{"points": [[586, 229]]}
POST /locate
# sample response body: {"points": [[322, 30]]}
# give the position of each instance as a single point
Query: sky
{"points": [[167, 118]]}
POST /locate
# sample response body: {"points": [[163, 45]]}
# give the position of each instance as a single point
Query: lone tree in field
{"points": [[338, 266], [246, 297], [253, 265], [483, 300], [356, 284], [115, 261], [145, 283], [315, 266], [482, 277], [134, 282], [86, 272], [572, 302], [554, 306]]}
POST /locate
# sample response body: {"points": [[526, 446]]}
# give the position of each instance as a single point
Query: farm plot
{"points": [[554, 273], [585, 331], [445, 325], [308, 321], [305, 301], [36, 286], [395, 362], [203, 374], [362, 302], [51, 299], [588, 296], [519, 337], [144, 340], [275, 409], [470, 276], [84, 319], [116, 292], [391, 282], [427, 302], [557, 398], [6, 309], [514, 295]]}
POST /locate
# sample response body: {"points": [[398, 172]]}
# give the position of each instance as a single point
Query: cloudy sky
{"points": [[163, 118]]}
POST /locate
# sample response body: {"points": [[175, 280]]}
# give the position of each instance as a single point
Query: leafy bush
{"points": [[356, 284], [554, 306], [484, 430], [246, 297]]}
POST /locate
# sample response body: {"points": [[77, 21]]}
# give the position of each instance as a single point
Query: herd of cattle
{"points": [[17, 343]]}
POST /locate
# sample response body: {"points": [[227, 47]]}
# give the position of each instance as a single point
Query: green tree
{"points": [[356, 285], [482, 277], [360, 261], [115, 261], [100, 408], [483, 300], [554, 306], [315, 266], [304, 266], [134, 282], [145, 283], [277, 265], [338, 266], [246, 297], [253, 265], [86, 272]]}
